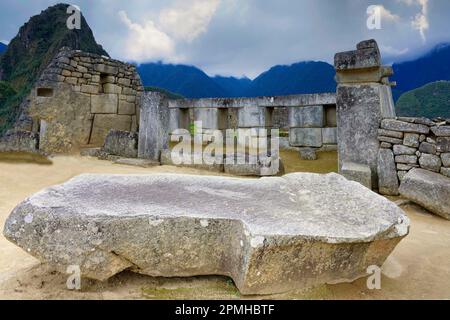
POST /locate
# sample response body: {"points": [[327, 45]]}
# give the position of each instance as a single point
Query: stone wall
{"points": [[19, 141], [310, 118], [408, 143], [80, 97]]}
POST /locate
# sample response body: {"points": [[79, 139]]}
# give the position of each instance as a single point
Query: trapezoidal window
{"points": [[44, 92], [103, 81]]}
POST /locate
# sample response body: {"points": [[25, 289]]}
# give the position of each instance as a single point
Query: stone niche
{"points": [[80, 97]]}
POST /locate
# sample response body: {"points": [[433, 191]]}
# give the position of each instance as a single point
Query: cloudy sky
{"points": [[246, 37]]}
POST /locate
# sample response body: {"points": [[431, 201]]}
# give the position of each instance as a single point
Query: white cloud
{"points": [[388, 15], [146, 42], [420, 21], [189, 19], [184, 21]]}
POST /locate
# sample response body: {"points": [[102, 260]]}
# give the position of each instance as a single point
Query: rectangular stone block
{"points": [[395, 125], [401, 149], [104, 103], [106, 69], [251, 117], [442, 131], [305, 137], [359, 115], [127, 108], [411, 140], [154, 126], [306, 117], [357, 172], [91, 89], [112, 88], [329, 135], [390, 133], [443, 144], [406, 159], [103, 123], [387, 173]]}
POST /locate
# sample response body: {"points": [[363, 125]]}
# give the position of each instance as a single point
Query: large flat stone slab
{"points": [[270, 235], [429, 189]]}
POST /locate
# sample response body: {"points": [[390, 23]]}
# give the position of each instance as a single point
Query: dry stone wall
{"points": [[408, 143], [80, 97]]}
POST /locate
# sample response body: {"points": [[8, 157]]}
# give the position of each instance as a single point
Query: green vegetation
{"points": [[37, 42], [169, 94], [430, 101]]}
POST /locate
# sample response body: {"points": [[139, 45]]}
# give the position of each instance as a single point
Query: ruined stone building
{"points": [[80, 97]]}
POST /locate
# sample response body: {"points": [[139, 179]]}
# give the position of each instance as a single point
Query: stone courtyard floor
{"points": [[419, 268]]}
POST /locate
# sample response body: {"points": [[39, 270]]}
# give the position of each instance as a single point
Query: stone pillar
{"points": [[363, 99], [154, 126]]}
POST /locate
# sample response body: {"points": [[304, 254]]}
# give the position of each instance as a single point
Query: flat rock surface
{"points": [[270, 235]]}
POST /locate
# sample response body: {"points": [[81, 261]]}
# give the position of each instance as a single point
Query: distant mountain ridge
{"points": [[433, 66], [191, 82], [3, 47]]}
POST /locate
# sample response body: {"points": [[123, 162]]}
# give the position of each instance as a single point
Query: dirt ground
{"points": [[419, 268]]}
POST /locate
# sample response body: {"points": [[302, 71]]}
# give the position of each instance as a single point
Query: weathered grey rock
{"points": [[401, 149], [154, 126], [430, 162], [306, 117], [358, 173], [426, 147], [270, 235], [363, 58], [386, 145], [442, 131], [445, 157], [445, 172], [252, 117], [406, 159], [121, 143], [428, 189], [19, 141], [387, 173], [390, 140], [329, 135], [308, 154], [422, 138], [411, 140], [360, 110], [395, 125], [305, 137], [390, 133], [443, 144]]}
